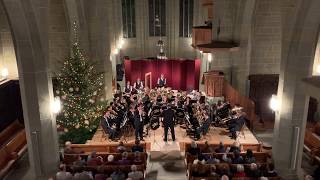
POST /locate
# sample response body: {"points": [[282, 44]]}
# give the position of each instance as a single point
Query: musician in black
{"points": [[162, 81], [138, 85], [128, 88], [236, 124], [138, 123], [168, 122]]}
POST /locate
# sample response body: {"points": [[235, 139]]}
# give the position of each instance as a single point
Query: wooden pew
{"points": [[8, 133], [243, 147], [101, 148], [13, 145], [261, 157]]}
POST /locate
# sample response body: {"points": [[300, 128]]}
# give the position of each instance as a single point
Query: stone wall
{"points": [[266, 53], [58, 35], [7, 53]]}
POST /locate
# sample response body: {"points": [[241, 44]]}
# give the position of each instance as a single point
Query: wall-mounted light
{"points": [[318, 69], [4, 73], [116, 51], [209, 57], [201, 52], [56, 105], [274, 103]]}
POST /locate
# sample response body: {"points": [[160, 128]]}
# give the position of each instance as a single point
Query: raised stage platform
{"points": [[159, 149]]}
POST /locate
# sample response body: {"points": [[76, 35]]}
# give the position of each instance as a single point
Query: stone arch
{"points": [[28, 21]]}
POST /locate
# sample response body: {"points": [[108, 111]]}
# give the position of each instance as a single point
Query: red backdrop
{"points": [[180, 74]]}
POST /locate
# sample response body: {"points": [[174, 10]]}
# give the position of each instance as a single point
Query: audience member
{"points": [[68, 149], [137, 147], [100, 174], [225, 170], [235, 147], [212, 159], [249, 158], [237, 158], [118, 175], [213, 171], [110, 160], [79, 162], [62, 174], [135, 174], [194, 150], [240, 171], [270, 171], [121, 148], [220, 148], [226, 159], [94, 160], [82, 175], [308, 177], [316, 173], [254, 171], [263, 178], [224, 177], [137, 158], [207, 148], [124, 160]]}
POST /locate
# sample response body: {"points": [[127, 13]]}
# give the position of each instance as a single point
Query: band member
{"points": [[138, 85], [236, 124], [162, 81], [128, 88], [138, 123], [168, 122]]}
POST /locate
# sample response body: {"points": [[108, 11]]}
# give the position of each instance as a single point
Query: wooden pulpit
{"points": [[213, 82]]}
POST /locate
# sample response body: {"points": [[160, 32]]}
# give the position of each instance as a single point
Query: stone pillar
{"points": [[298, 47], [28, 20]]}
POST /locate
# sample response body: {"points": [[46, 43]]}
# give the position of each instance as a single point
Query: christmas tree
{"points": [[80, 89]]}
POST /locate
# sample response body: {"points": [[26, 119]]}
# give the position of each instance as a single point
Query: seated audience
{"points": [[224, 177], [271, 172], [237, 158], [110, 160], [118, 175], [198, 170], [213, 171], [121, 148], [263, 178], [63, 174], [135, 174], [212, 159], [137, 158], [100, 174], [240, 171], [235, 146], [249, 158], [254, 171], [94, 160], [207, 148], [226, 159], [124, 160], [79, 162], [82, 175], [137, 147], [308, 177], [220, 148], [225, 170], [194, 150]]}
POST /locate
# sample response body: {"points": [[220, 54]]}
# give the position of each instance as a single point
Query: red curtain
{"points": [[180, 74]]}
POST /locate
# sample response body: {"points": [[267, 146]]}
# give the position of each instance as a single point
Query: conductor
{"points": [[138, 124], [168, 122]]}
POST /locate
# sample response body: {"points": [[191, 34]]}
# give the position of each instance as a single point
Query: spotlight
{"points": [[201, 52], [56, 105], [4, 73], [274, 103], [209, 57], [122, 42]]}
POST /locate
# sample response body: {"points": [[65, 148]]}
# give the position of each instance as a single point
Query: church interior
{"points": [[159, 89]]}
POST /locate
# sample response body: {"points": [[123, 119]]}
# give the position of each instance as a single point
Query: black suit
{"points": [[138, 125], [168, 122]]}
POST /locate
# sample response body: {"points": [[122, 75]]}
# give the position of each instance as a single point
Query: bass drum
{"points": [[154, 123]]}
